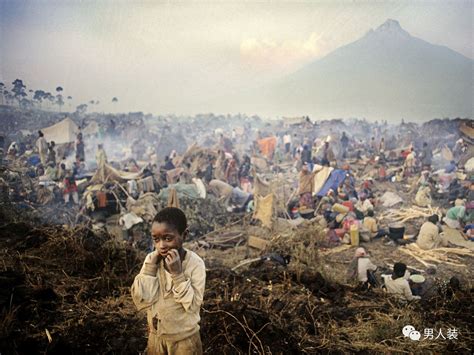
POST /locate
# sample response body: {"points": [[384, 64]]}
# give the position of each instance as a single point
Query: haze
{"points": [[186, 57]]}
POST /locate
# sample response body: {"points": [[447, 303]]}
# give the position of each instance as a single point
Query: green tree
{"points": [[39, 96], [81, 109], [18, 90]]}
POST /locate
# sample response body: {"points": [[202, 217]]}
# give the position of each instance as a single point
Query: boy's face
{"points": [[165, 238]]}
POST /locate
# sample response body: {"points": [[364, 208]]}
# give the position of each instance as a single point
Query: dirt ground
{"points": [[66, 291]]}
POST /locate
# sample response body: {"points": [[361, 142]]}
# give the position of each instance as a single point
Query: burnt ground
{"points": [[66, 291]]}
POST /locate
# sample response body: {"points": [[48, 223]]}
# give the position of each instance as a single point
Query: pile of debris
{"points": [[65, 290]]}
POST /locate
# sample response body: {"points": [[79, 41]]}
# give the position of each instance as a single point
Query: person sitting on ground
{"points": [[363, 205], [456, 216], [397, 283], [170, 287], [39, 170], [50, 173], [369, 225], [361, 268], [399, 175], [429, 236], [346, 190], [61, 172], [240, 199]]}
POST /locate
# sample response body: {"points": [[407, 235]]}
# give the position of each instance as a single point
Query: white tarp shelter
{"points": [[61, 132]]}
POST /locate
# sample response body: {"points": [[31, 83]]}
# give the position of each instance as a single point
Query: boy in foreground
{"points": [[170, 287]]}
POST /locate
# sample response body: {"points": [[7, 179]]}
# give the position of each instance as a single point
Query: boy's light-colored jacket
{"points": [[175, 300]]}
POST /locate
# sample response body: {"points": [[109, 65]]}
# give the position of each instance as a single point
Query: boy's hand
{"points": [[173, 262], [156, 258]]}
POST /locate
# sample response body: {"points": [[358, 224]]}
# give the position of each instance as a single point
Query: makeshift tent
{"points": [[267, 146], [264, 210], [173, 200], [190, 191], [467, 130], [335, 179], [111, 174], [320, 178], [61, 132]]}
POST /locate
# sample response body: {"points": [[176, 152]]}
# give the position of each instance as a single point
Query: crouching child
{"points": [[362, 269], [170, 287]]}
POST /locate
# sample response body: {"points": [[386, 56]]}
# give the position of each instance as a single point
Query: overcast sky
{"points": [[170, 57]]}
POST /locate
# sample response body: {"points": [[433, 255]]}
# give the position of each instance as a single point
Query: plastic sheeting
{"points": [[267, 146], [335, 179], [61, 132]]}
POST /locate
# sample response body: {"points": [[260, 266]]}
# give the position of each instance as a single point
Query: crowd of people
{"points": [[229, 163]]}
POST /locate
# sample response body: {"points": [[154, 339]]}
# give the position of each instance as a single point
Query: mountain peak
{"points": [[391, 27]]}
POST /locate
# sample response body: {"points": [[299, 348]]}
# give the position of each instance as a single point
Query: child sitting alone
{"points": [[170, 287], [362, 269]]}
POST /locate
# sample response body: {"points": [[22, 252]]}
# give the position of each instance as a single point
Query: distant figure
{"points": [[398, 285], [80, 147], [51, 153], [305, 187], [231, 173], [410, 162], [101, 158], [306, 155], [344, 144], [70, 188], [221, 190], [426, 155], [12, 150], [42, 146], [382, 145], [209, 172], [361, 268], [328, 155], [168, 164], [429, 236], [458, 215], [287, 142]]}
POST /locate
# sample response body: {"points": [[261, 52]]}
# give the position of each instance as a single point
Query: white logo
{"points": [[415, 335], [407, 329]]}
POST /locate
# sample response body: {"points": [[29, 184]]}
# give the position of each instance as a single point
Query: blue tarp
{"points": [[34, 160], [334, 180]]}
